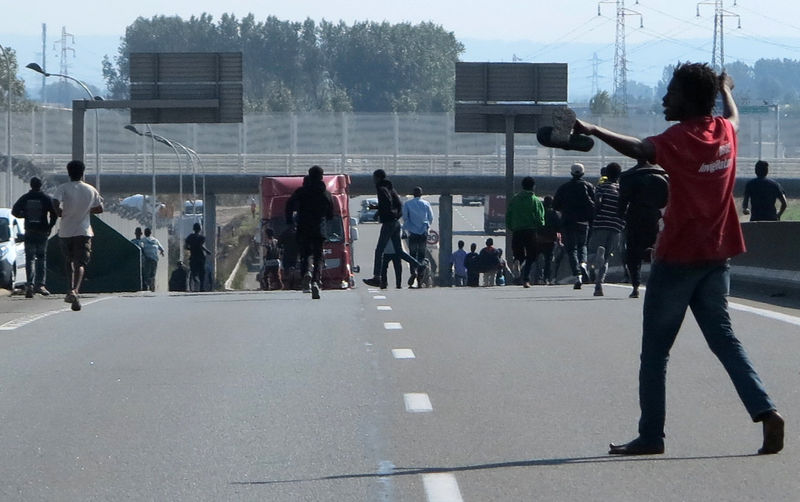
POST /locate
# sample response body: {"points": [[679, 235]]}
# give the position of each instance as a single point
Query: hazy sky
{"points": [[538, 20], [666, 31]]}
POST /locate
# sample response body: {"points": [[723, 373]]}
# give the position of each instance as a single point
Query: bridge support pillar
{"points": [[445, 237]]}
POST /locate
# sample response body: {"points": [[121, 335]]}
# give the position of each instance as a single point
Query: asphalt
{"points": [[274, 396]]}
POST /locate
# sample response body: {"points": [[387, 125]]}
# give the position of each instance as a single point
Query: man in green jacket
{"points": [[524, 217]]}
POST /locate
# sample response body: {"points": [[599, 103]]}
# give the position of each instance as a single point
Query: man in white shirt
{"points": [[150, 250], [74, 201]]}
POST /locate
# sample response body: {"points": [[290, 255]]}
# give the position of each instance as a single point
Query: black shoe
{"points": [[411, 280], [374, 282], [41, 290], [76, 303], [315, 290], [634, 294], [28, 291], [598, 290], [637, 447], [773, 433], [578, 284]]}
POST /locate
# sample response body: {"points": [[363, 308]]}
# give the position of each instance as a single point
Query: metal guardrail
{"points": [[422, 165]]}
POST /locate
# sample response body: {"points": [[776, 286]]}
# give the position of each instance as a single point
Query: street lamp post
{"points": [[38, 69], [9, 81]]}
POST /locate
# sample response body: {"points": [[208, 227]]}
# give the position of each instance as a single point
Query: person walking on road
{"points": [[139, 243], [489, 263], [195, 243], [36, 207], [606, 226], [151, 249], [763, 193], [390, 209], [525, 218], [458, 263], [314, 207], [472, 264], [643, 192], [417, 219], [548, 239], [691, 266], [74, 202], [575, 200]]}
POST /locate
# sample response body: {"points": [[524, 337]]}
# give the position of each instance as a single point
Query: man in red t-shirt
{"points": [[701, 232]]}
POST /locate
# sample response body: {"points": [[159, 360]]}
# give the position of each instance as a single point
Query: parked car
{"points": [[369, 211], [12, 250], [468, 200]]}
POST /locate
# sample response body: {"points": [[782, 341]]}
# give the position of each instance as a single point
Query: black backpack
{"points": [[34, 212]]}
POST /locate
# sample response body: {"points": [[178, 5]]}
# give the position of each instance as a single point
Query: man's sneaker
{"points": [[598, 290], [69, 297], [559, 135], [585, 273], [411, 280], [526, 284], [315, 290], [634, 293], [76, 304], [375, 282], [28, 291], [306, 283], [41, 290], [578, 283]]}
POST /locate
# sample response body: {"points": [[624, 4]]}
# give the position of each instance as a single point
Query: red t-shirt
{"points": [[700, 222]]}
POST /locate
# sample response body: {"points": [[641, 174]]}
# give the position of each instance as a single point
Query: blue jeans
{"points": [[35, 263], [575, 237], [671, 288]]}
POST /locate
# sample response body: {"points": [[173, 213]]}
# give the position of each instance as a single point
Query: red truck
{"points": [[338, 249], [494, 213]]}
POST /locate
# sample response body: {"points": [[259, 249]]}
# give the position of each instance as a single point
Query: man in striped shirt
{"points": [[607, 225]]}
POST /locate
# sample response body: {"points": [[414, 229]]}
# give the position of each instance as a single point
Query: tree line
{"points": [[310, 66]]}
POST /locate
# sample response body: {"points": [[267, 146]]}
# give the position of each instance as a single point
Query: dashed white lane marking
{"points": [[372, 290], [441, 487], [384, 307], [379, 297], [417, 402], [766, 313], [24, 321], [392, 325], [403, 354]]}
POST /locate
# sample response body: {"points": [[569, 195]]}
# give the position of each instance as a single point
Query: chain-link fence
{"points": [[287, 143]]}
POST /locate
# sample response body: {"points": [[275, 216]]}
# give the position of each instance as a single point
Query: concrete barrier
{"points": [[772, 252]]}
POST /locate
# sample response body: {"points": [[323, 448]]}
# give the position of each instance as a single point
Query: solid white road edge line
{"points": [[417, 402], [441, 487], [403, 354], [778, 316], [23, 321]]}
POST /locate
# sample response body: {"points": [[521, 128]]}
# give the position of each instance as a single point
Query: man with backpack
{"points": [[575, 200], [40, 216], [489, 263]]}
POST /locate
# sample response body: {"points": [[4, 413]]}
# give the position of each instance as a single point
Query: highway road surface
{"points": [[437, 395]]}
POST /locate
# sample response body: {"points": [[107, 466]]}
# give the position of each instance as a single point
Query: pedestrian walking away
{"points": [[314, 207], [575, 200], [548, 240], [763, 192], [606, 226], [151, 249], [643, 193], [472, 264], [195, 243], [36, 207], [417, 219], [524, 219], [701, 233], [457, 262], [390, 209], [489, 263], [74, 202], [139, 243]]}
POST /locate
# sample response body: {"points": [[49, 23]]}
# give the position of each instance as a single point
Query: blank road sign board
{"points": [[187, 76], [488, 92]]}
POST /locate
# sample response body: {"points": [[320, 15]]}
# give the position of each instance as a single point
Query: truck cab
{"points": [[337, 251]]}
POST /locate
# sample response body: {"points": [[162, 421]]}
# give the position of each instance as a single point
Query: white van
{"points": [[12, 252]]}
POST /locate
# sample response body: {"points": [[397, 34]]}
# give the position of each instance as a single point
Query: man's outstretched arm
{"points": [[629, 146]]}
